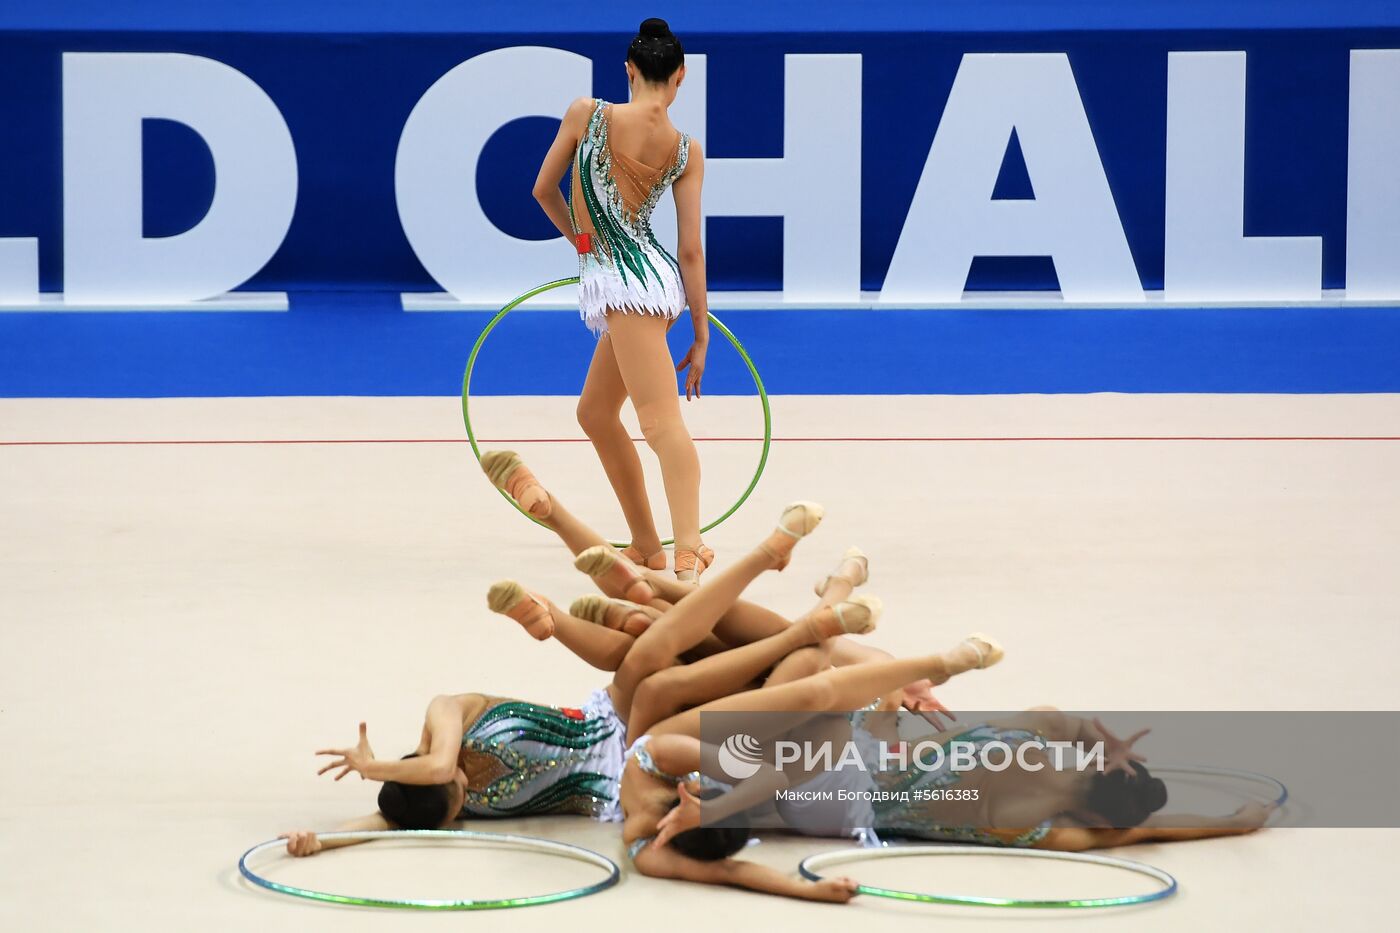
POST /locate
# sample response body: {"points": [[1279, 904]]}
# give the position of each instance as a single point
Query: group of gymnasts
{"points": [[676, 646], [676, 650]]}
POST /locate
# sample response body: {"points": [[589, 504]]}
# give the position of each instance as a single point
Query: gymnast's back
{"points": [[626, 158]]}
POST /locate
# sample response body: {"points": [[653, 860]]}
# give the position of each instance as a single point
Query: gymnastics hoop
{"points": [[1276, 787], [542, 845], [719, 325], [810, 865]]}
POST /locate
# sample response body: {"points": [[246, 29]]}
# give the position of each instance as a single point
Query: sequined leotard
{"points": [[544, 759], [641, 750], [611, 200], [922, 819]]}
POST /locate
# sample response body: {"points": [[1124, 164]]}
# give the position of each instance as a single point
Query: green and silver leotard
{"points": [[641, 750], [612, 195], [921, 819], [547, 760]]}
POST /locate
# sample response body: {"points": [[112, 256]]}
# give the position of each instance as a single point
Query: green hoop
{"points": [[809, 866], [719, 325], [531, 842]]}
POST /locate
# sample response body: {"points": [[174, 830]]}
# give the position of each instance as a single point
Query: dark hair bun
{"points": [[710, 843], [1155, 795], [656, 52], [414, 806], [1126, 799], [655, 28]]}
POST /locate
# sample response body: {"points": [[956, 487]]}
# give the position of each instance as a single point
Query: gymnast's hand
{"points": [[355, 759], [684, 815], [301, 842], [919, 698], [834, 890], [1252, 815], [1118, 753], [695, 359]]}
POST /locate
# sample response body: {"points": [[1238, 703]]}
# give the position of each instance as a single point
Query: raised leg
{"points": [[844, 688], [596, 646], [669, 691], [803, 663], [747, 622], [602, 648], [688, 622]]}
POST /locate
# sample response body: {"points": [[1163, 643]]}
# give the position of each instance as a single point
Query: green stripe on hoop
{"points": [[546, 846], [719, 325]]}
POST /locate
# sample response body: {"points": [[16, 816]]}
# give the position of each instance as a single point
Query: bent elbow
{"points": [[692, 254]]}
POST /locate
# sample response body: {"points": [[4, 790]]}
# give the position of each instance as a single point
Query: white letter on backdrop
{"points": [[106, 257], [435, 171], [1208, 257], [953, 217], [1373, 175], [814, 186]]}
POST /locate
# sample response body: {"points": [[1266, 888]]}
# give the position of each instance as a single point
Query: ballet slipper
{"points": [[636, 557], [532, 612], [855, 554], [594, 608], [859, 615], [509, 474], [691, 562], [604, 564], [797, 521], [992, 654]]}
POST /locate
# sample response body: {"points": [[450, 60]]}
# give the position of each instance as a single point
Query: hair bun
{"points": [[655, 28], [1156, 795]]}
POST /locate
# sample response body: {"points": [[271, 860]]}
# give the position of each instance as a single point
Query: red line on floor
{"points": [[776, 440]]}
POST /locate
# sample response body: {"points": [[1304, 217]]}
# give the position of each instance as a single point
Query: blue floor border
{"points": [[363, 344]]}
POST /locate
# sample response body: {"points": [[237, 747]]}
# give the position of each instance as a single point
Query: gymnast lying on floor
{"points": [[480, 755], [1048, 808]]}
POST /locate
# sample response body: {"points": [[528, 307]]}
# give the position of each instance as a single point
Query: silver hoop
{"points": [[542, 845], [809, 867], [1277, 790]]}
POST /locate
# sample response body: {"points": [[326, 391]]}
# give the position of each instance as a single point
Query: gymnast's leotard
{"points": [[921, 818], [611, 199], [547, 760], [641, 750]]}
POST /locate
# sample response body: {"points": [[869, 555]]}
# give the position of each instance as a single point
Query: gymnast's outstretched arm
{"points": [[665, 862], [303, 842], [1178, 827]]}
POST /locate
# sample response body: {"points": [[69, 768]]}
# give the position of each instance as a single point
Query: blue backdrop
{"points": [[346, 77]]}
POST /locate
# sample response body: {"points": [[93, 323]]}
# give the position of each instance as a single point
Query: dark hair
{"points": [[656, 52], [415, 806], [1124, 799], [710, 843]]}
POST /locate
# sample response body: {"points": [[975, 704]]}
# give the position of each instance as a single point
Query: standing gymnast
{"points": [[631, 290]]}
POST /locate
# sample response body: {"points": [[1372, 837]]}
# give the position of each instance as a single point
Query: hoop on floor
{"points": [[542, 845], [1278, 793], [719, 325], [809, 867]]}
